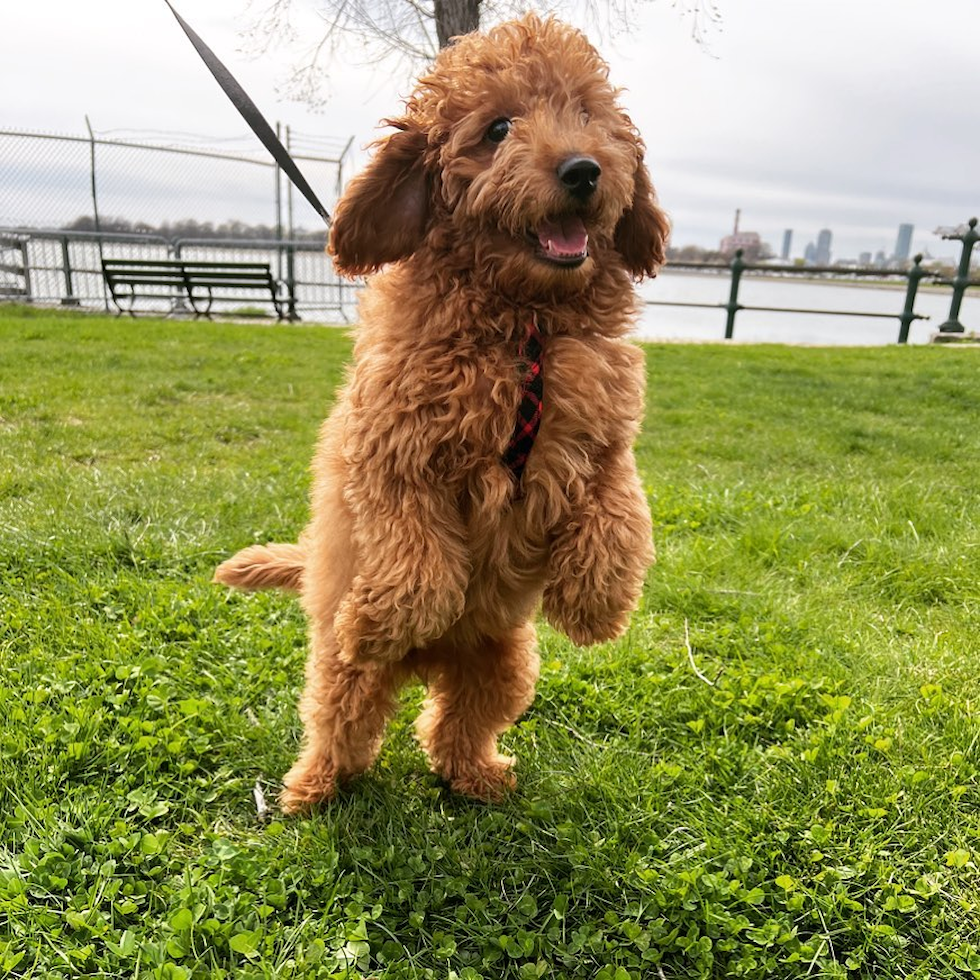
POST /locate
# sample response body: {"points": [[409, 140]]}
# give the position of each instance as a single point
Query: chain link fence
{"points": [[70, 201]]}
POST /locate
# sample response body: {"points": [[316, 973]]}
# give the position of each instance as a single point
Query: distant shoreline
{"points": [[843, 279]]}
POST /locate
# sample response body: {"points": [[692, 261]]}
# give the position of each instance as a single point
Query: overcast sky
{"points": [[852, 115]]}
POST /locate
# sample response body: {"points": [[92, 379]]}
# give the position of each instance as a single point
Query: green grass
{"points": [[775, 774]]}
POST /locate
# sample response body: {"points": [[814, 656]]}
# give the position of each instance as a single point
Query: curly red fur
{"points": [[421, 558]]}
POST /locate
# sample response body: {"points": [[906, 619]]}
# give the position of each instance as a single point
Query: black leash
{"points": [[251, 115]]}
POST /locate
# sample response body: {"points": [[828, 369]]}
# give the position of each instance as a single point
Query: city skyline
{"points": [[923, 237], [818, 249]]}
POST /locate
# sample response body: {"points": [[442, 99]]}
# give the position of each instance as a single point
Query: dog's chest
{"points": [[591, 397], [593, 392]]}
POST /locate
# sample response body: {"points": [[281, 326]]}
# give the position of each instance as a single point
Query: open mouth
{"points": [[562, 241]]}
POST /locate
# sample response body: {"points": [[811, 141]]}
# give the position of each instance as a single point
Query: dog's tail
{"points": [[264, 566]]}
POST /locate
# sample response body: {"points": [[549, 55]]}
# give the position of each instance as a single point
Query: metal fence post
{"points": [[290, 231], [27, 270], [733, 305], [962, 278], [278, 200], [292, 316], [95, 205], [177, 304], [69, 299], [915, 274]]}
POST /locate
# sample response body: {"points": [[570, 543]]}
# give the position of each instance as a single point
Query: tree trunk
{"points": [[455, 17]]}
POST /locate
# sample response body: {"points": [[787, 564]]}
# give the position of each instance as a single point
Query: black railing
{"points": [[913, 275], [961, 281]]}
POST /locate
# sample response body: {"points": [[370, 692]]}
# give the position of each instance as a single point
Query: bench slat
{"points": [[212, 279], [230, 278], [179, 264], [140, 277]]}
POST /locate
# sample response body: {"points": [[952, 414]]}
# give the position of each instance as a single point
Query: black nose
{"points": [[579, 176]]}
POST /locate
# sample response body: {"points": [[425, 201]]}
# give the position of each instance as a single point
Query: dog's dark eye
{"points": [[497, 130]]}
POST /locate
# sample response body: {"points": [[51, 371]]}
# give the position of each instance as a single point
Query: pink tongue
{"points": [[566, 236]]}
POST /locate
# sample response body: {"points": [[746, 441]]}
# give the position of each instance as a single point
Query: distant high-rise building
{"points": [[787, 243], [823, 247], [864, 259], [903, 246]]}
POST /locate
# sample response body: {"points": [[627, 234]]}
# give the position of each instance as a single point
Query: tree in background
{"points": [[414, 30], [455, 17]]}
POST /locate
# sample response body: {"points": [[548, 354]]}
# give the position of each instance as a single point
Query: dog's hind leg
{"points": [[344, 710], [473, 698]]}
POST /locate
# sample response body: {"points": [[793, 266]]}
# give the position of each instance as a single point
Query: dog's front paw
{"points": [[595, 576], [581, 618], [380, 624]]}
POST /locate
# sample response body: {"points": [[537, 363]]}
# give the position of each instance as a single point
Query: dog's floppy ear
{"points": [[641, 234], [382, 216]]}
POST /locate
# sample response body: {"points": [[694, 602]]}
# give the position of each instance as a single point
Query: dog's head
{"points": [[513, 156]]}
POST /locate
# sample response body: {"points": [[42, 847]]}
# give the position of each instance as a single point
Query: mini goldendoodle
{"points": [[478, 462]]}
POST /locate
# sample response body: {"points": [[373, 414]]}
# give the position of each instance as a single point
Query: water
{"points": [[679, 323]]}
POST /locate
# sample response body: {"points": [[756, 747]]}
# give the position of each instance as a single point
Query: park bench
{"points": [[195, 281]]}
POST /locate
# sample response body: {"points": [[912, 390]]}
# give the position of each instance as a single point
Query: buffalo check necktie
{"points": [[529, 411]]}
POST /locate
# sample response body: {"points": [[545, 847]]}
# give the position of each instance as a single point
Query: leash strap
{"points": [[251, 115], [532, 402]]}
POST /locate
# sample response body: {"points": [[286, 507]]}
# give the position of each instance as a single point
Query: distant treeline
{"points": [[189, 228], [693, 253]]}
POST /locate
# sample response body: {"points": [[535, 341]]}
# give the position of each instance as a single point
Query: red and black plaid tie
{"points": [[529, 411]]}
